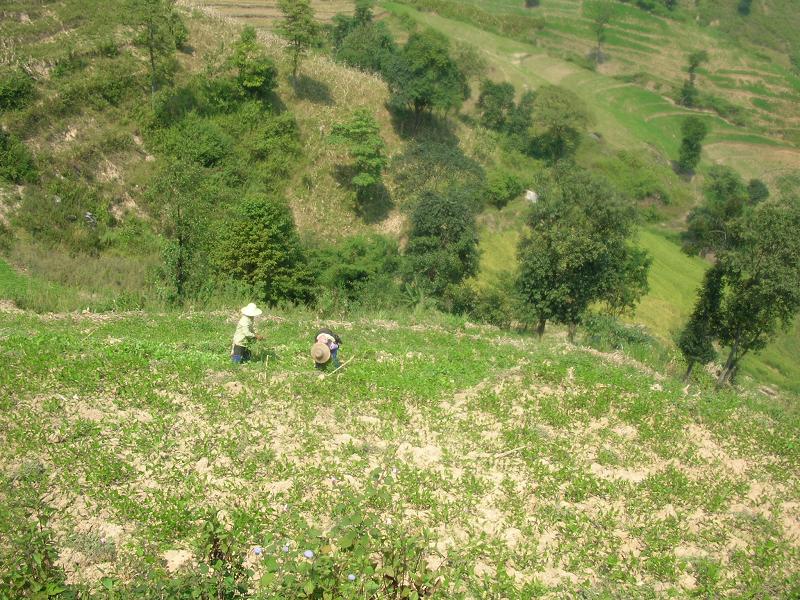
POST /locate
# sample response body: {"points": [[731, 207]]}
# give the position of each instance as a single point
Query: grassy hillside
{"points": [[749, 69], [494, 464]]}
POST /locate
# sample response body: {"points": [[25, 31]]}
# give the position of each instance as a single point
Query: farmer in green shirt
{"points": [[245, 334]]}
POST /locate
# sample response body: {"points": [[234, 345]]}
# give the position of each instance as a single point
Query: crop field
{"points": [[264, 13], [492, 464]]}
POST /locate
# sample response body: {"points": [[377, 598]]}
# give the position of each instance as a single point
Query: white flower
{"points": [[308, 554], [258, 550], [351, 577]]}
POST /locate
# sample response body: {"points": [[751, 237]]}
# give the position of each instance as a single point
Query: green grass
{"points": [[507, 455]]}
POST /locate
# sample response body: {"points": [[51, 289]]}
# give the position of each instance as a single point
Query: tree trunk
{"points": [[689, 370], [540, 327], [572, 328], [730, 365]]}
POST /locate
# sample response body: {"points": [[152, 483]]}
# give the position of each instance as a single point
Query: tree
{"points": [[369, 46], [559, 118], [257, 72], [176, 191], [362, 136], [696, 59], [495, 104], [694, 131], [344, 24], [443, 244], [576, 250], [757, 191], [709, 226], [601, 12], [744, 7], [761, 280], [688, 94], [299, 28], [423, 77], [159, 30], [260, 247], [696, 340]]}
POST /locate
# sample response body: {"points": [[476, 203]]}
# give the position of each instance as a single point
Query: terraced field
{"points": [[626, 115], [653, 49], [263, 13]]}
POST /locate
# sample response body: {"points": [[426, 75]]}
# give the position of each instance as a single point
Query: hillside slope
{"points": [[519, 467]]}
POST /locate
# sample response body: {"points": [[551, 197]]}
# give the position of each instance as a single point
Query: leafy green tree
{"points": [[709, 226], [688, 94], [422, 76], [761, 280], [559, 119], [361, 134], [260, 246], [369, 46], [576, 248], [601, 13], [344, 24], [299, 28], [174, 192], [257, 73], [694, 130], [442, 246], [495, 104], [696, 59], [160, 31], [744, 7], [757, 191], [696, 340]]}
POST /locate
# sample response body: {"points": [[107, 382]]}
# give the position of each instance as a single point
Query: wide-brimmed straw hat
{"points": [[251, 310], [320, 353]]}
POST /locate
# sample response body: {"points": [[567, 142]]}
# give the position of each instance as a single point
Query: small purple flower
{"points": [[258, 550], [285, 548], [308, 554], [351, 577]]}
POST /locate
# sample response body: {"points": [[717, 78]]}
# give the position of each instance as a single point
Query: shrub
{"points": [[16, 162], [16, 89], [111, 84], [197, 140], [362, 269], [502, 187]]}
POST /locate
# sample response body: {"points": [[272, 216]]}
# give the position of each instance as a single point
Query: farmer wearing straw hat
{"points": [[326, 348], [245, 334]]}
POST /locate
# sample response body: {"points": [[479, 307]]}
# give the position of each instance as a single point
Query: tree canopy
{"points": [[299, 28], [422, 76], [578, 250]]}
